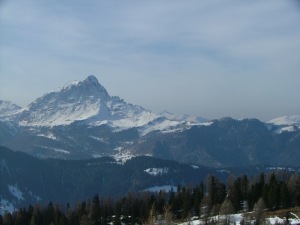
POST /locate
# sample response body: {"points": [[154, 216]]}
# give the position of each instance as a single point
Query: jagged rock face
{"points": [[75, 101], [9, 111]]}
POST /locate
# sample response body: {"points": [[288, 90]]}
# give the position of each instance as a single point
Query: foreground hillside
{"points": [[262, 199], [28, 180]]}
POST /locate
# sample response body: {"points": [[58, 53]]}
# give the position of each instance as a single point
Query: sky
{"points": [[204, 58]]}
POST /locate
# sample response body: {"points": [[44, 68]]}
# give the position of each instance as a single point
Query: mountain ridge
{"points": [[28, 180], [81, 120], [88, 101]]}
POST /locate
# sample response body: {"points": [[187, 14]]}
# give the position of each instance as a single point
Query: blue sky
{"points": [[206, 58]]}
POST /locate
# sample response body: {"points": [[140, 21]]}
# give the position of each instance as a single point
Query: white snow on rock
{"points": [[56, 149], [9, 111], [6, 107], [286, 123], [48, 135], [15, 191], [156, 171], [166, 188], [6, 206], [195, 167], [286, 120], [88, 102], [185, 117], [122, 156]]}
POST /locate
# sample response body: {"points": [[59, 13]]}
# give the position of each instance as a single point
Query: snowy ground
{"points": [[236, 219]]}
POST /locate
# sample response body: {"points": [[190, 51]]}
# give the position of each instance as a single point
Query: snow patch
{"points": [[195, 167], [286, 120], [223, 171], [123, 156], [15, 191], [285, 129], [48, 135], [6, 206], [56, 149], [236, 219], [166, 188], [206, 123], [156, 171], [98, 139]]}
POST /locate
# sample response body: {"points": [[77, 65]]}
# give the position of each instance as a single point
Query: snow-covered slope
{"points": [[8, 110], [286, 123], [89, 102], [286, 120], [185, 117], [75, 101]]}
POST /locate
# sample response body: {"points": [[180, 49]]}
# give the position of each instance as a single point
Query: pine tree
{"points": [[95, 214], [284, 195], [198, 193]]}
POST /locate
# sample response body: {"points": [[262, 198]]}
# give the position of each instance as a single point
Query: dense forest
{"points": [[212, 197]]}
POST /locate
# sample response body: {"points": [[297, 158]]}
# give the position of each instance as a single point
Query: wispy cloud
{"points": [[195, 51]]}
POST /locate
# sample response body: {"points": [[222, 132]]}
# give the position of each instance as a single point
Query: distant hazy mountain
{"points": [[286, 123], [226, 142], [81, 121], [9, 111]]}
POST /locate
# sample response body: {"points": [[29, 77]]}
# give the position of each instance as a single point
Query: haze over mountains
{"points": [[81, 120]]}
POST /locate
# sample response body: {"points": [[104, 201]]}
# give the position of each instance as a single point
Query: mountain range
{"points": [[28, 180], [80, 141], [81, 121]]}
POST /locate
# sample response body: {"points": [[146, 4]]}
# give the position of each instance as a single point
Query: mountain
{"points": [[27, 180], [286, 120], [226, 142], [9, 111], [82, 121], [286, 123], [89, 102], [79, 120]]}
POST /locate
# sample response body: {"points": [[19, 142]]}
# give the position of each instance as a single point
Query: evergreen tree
{"points": [[95, 214], [198, 194], [273, 193], [284, 195]]}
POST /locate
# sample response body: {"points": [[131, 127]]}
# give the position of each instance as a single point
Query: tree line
{"points": [[211, 197]]}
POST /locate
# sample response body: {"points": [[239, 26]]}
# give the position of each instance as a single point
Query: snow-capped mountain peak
{"points": [[88, 101], [89, 87], [74, 101]]}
